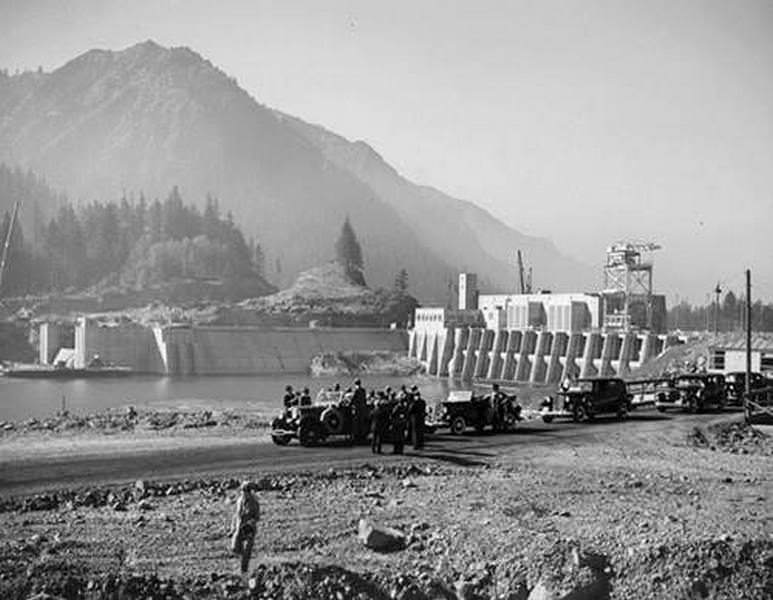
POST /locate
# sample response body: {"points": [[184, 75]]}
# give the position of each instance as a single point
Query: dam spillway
{"points": [[217, 350], [529, 356]]}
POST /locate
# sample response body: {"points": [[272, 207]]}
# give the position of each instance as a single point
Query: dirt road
{"points": [[37, 474]]}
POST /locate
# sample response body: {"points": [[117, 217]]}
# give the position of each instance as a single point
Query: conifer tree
{"points": [[349, 253]]}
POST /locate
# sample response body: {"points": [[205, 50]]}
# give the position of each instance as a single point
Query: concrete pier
{"points": [[533, 356]]}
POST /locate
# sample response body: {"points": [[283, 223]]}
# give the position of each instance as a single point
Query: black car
{"points": [[694, 392], [735, 384], [588, 397], [463, 409]]}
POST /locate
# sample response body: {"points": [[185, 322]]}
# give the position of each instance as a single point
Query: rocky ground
{"points": [[680, 514], [130, 419]]}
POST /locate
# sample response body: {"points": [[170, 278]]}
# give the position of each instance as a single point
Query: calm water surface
{"points": [[24, 398]]}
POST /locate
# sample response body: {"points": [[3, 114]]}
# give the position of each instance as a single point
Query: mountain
{"points": [[148, 118]]}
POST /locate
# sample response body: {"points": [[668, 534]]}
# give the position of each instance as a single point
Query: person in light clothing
{"points": [[245, 525]]}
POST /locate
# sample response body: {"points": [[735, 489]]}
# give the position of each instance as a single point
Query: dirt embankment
{"points": [[619, 515]]}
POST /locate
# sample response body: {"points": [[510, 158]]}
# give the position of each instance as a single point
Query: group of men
{"points": [[397, 415]]}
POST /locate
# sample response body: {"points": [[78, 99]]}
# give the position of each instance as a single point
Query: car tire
{"points": [[622, 413], [579, 413], [458, 425], [661, 409], [281, 440], [547, 418], [307, 434]]}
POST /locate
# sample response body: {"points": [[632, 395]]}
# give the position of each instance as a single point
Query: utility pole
{"points": [[748, 332], [717, 291]]}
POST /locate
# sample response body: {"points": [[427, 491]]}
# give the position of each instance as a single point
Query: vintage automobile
{"points": [[735, 385], [328, 416], [588, 397], [464, 409], [694, 392]]}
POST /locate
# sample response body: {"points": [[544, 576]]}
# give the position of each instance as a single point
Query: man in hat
{"points": [[289, 397], [245, 524], [398, 420], [305, 397], [359, 412], [379, 424], [417, 412]]}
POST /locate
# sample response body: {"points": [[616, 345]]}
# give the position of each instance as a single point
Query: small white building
{"points": [[729, 353]]}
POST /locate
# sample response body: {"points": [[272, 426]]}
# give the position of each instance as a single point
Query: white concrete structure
{"points": [[568, 313]]}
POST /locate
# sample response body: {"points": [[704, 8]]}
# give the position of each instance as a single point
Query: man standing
{"points": [[359, 412], [398, 419], [418, 410], [498, 406], [379, 423], [245, 525]]}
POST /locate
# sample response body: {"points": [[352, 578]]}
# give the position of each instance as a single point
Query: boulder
{"points": [[381, 539]]}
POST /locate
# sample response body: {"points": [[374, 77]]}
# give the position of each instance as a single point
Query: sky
{"points": [[584, 121]]}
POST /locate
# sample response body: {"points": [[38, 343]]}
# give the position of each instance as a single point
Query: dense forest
{"points": [[128, 244], [730, 315]]}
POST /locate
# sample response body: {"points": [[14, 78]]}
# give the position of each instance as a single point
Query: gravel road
{"points": [[37, 474]]}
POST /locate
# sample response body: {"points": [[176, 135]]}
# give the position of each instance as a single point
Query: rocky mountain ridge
{"points": [[147, 118]]}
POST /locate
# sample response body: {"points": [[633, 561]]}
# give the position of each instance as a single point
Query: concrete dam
{"points": [[213, 350], [528, 356]]}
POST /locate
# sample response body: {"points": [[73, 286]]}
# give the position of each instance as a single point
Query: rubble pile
{"points": [[736, 437], [121, 497], [345, 364], [130, 419], [720, 568]]}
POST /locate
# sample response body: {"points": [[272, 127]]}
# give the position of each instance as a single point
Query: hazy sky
{"points": [[583, 121]]}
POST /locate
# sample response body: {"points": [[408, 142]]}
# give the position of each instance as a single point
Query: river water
{"points": [[24, 398]]}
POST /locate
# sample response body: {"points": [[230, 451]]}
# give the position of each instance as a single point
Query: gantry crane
{"points": [[628, 273]]}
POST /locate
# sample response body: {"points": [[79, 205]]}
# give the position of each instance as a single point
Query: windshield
{"points": [[690, 381], [582, 386]]}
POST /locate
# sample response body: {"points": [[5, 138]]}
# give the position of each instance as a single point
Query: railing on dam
{"points": [[532, 356]]}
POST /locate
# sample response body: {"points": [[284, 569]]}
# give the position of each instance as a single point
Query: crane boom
{"points": [[7, 244]]}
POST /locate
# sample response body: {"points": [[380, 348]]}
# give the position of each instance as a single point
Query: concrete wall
{"points": [[125, 345], [527, 356], [183, 350]]}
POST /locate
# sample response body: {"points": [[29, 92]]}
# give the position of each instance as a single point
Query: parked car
{"points": [[735, 385], [694, 392], [313, 424], [588, 397], [463, 409]]}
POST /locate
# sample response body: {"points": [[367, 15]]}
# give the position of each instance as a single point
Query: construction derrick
{"points": [[7, 244], [628, 285]]}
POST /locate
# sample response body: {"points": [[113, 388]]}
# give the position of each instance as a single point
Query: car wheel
{"points": [[661, 409], [622, 413], [281, 439], [547, 418], [307, 434], [579, 414], [458, 425]]}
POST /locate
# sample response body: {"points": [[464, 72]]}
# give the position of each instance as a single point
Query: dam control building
{"points": [[546, 337]]}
